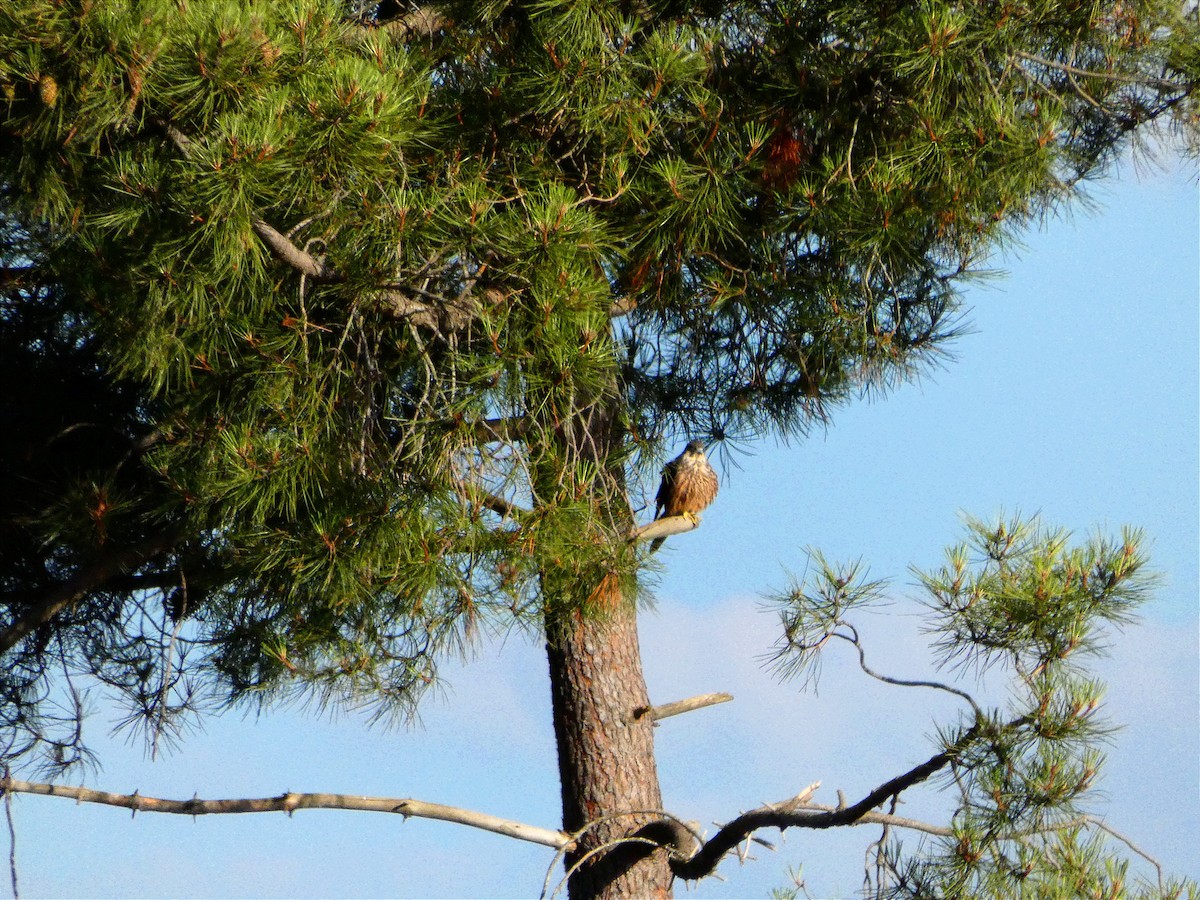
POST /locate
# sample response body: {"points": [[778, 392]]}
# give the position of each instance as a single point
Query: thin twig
{"points": [[12, 839], [1158, 83], [168, 665], [902, 682]]}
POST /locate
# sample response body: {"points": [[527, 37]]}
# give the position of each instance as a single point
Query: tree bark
{"points": [[605, 753], [605, 747]]}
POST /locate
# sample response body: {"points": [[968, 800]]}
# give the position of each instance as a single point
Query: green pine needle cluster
{"points": [[1023, 600]]}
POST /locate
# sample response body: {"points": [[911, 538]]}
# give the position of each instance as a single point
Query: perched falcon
{"points": [[688, 485]]}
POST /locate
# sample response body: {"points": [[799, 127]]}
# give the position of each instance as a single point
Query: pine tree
{"points": [[335, 333]]}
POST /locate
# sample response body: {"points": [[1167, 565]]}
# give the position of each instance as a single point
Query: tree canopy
{"points": [[337, 332]]}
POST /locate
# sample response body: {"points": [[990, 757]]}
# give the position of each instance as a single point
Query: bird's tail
{"points": [[656, 543]]}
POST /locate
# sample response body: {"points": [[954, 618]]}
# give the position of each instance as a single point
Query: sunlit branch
{"points": [[902, 682], [789, 814], [679, 707], [424, 21], [290, 802], [1140, 80], [666, 527]]}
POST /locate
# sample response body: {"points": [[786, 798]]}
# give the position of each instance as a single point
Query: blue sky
{"points": [[1075, 396]]}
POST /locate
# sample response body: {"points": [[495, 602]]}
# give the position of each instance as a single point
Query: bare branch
{"points": [[502, 430], [480, 496], [285, 251], [790, 814], [666, 527], [422, 22], [1168, 87], [681, 706], [290, 802], [1096, 822], [902, 682]]}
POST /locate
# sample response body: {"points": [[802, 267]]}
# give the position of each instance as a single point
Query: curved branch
{"points": [[302, 261], [903, 682], [290, 802], [789, 814]]}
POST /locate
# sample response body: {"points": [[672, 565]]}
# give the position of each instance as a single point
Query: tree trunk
{"points": [[605, 751]]}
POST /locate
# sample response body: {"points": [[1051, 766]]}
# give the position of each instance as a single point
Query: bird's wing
{"points": [[666, 488]]}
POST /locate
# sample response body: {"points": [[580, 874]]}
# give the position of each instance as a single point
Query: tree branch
{"points": [[446, 315], [789, 814], [300, 260], [422, 22], [20, 276], [1161, 84], [481, 497], [902, 682], [290, 802], [87, 579], [681, 706], [501, 430], [666, 527]]}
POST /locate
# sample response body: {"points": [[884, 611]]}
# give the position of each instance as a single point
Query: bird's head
{"points": [[694, 447]]}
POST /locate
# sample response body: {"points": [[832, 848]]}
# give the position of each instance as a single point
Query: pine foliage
{"points": [[1023, 603], [338, 332]]}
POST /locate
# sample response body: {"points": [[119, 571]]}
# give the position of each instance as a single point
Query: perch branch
{"points": [[666, 527], [290, 802], [505, 431]]}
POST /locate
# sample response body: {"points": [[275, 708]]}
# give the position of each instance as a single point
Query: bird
{"points": [[688, 486]]}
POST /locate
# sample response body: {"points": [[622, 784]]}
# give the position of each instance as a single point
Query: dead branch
{"points": [[679, 707], [290, 802], [790, 814], [423, 22], [666, 527], [853, 638]]}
